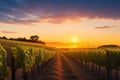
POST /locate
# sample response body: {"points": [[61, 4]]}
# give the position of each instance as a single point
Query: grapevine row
{"points": [[3, 63], [108, 58], [23, 55]]}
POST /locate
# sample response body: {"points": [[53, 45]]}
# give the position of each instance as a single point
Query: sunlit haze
{"points": [[75, 40]]}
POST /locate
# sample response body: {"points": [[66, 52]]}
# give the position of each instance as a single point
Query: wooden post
{"points": [[108, 68], [13, 77], [25, 75], [116, 74]]}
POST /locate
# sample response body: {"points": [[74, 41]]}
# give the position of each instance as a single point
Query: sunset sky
{"points": [[87, 22]]}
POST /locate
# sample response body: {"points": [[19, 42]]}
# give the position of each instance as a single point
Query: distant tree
{"points": [[41, 42], [21, 39], [4, 37], [109, 46], [24, 39], [11, 39], [34, 38]]}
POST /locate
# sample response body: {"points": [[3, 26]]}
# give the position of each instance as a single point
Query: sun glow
{"points": [[75, 40]]}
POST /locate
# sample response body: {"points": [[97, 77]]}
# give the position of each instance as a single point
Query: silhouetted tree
{"points": [[11, 39], [109, 46], [22, 39], [4, 37], [34, 38]]}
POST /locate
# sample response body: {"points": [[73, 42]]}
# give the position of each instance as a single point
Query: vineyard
{"points": [[31, 59], [27, 56], [102, 61]]}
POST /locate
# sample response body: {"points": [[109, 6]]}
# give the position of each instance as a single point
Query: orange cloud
{"points": [[8, 32], [105, 27]]}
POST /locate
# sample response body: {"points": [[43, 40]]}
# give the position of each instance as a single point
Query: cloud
{"points": [[28, 11], [11, 32], [105, 27]]}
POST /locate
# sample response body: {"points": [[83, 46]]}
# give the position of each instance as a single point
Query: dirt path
{"points": [[77, 69], [64, 68]]}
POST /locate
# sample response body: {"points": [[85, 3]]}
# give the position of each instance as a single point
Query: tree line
{"points": [[33, 39]]}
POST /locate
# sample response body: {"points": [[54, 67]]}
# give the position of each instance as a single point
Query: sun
{"points": [[74, 40]]}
